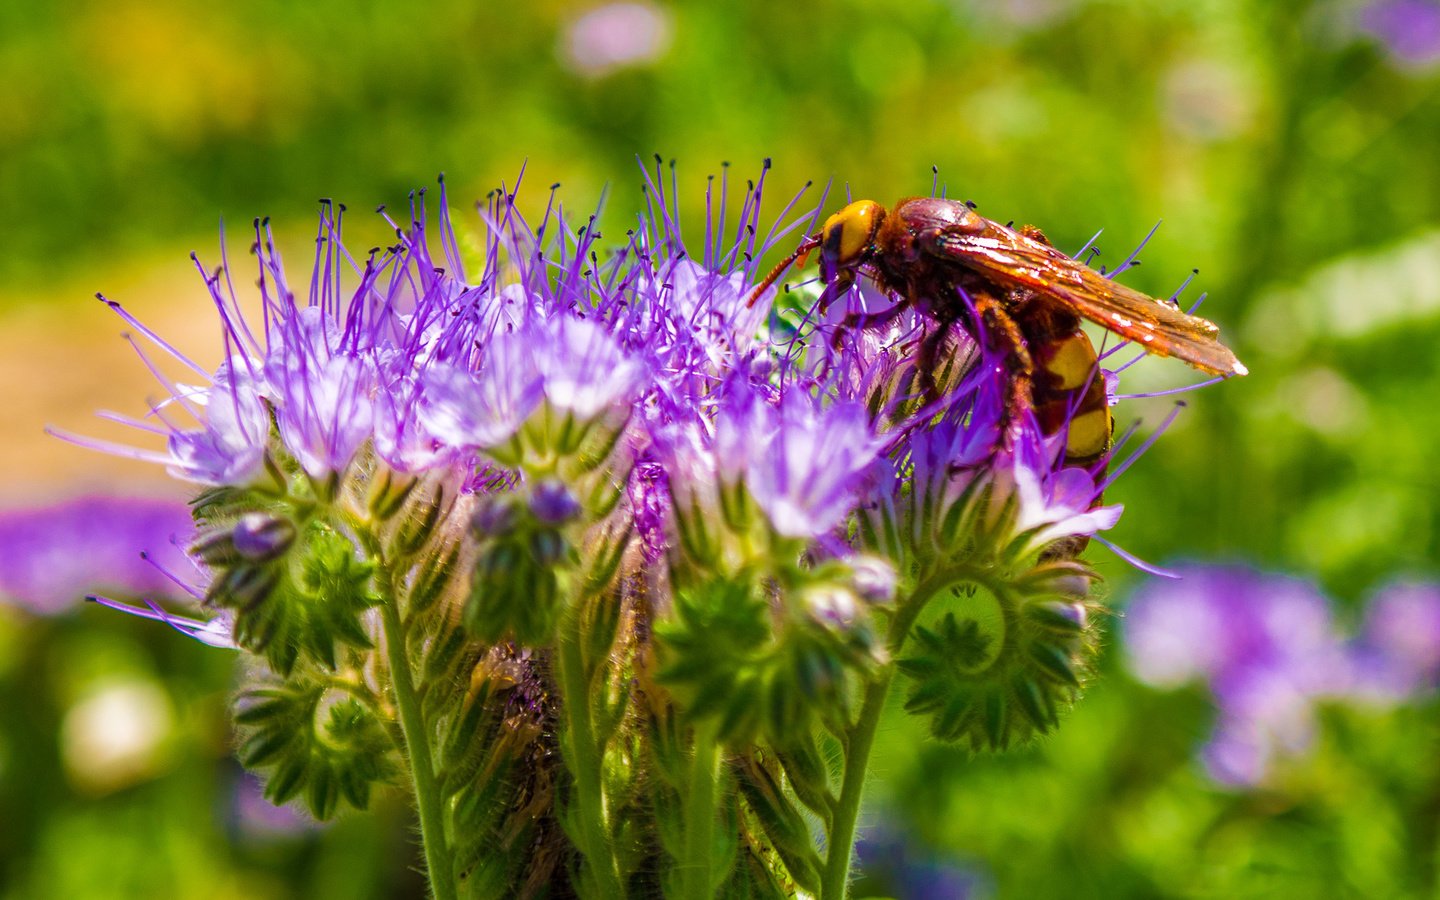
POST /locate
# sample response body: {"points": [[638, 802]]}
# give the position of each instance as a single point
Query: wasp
{"points": [[1010, 290]]}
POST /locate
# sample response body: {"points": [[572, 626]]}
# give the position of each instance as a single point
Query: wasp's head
{"points": [[848, 239]]}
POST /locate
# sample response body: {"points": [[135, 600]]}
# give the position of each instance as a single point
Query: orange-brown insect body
{"points": [[1015, 292], [1011, 290]]}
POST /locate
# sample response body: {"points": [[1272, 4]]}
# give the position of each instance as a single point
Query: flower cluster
{"points": [[601, 549], [1269, 651]]}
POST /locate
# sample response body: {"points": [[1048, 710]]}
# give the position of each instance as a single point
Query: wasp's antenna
{"points": [[810, 242]]}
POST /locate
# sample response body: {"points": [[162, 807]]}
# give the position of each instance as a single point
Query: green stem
{"points": [[696, 868], [586, 761], [417, 744], [835, 883]]}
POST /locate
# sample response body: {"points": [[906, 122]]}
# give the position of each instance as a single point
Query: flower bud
{"points": [[873, 578], [552, 503], [259, 537], [832, 604], [548, 547], [495, 516]]}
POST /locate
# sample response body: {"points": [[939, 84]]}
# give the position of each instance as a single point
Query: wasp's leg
{"points": [[858, 321], [928, 358], [1005, 332]]}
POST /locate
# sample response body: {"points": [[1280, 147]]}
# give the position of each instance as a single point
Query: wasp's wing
{"points": [[1014, 260]]}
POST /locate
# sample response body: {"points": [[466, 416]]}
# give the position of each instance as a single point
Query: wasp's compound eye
{"points": [[849, 232]]}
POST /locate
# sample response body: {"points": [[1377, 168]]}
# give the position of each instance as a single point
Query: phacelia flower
{"points": [[1268, 649], [54, 555], [806, 463], [616, 481], [1397, 653]]}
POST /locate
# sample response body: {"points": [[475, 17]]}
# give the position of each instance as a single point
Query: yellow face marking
{"points": [[1089, 434], [856, 223], [1072, 361]]}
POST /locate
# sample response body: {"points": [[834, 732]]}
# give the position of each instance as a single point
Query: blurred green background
{"points": [[1291, 148]]}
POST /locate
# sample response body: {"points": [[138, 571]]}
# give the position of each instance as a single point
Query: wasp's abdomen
{"points": [[1069, 395]]}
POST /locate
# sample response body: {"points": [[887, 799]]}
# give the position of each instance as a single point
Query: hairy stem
{"points": [[835, 882], [417, 744], [586, 760], [697, 870]]}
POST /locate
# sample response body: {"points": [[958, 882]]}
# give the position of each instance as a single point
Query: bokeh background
{"points": [[1292, 149]]}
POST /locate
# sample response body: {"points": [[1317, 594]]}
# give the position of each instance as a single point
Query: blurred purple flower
{"points": [[50, 557], [893, 865], [1265, 646], [1397, 654], [255, 818], [615, 35], [1409, 29]]}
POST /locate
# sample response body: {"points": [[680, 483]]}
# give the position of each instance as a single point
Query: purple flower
{"points": [[1410, 29], [572, 364], [807, 463], [321, 394], [53, 556], [1397, 655], [257, 819], [893, 864], [1052, 502], [1266, 647], [230, 445]]}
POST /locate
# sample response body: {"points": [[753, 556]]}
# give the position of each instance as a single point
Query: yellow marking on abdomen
{"points": [[1089, 434], [1071, 361]]}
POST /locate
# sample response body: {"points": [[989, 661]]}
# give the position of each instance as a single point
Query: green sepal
{"points": [[431, 578], [418, 524], [388, 492], [807, 774], [329, 762], [305, 601], [784, 827]]}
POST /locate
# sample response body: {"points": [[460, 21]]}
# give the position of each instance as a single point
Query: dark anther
{"points": [[971, 204]]}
